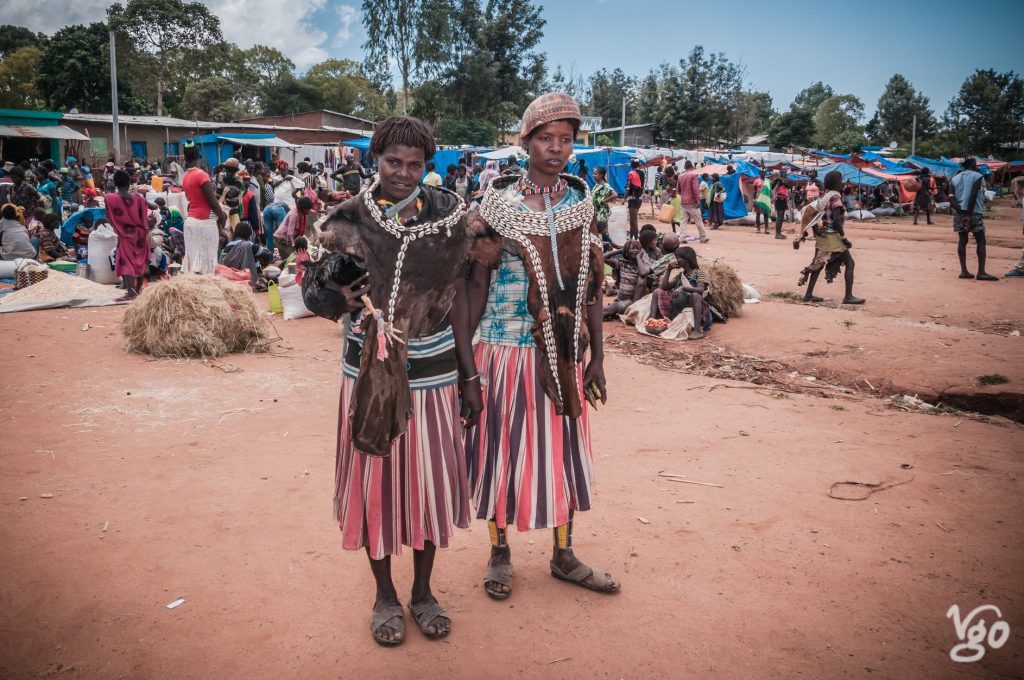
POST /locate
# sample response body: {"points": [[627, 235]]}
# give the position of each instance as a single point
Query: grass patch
{"points": [[836, 407], [847, 323], [787, 295], [993, 379]]}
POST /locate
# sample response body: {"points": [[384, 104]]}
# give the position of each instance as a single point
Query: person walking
{"points": [[635, 181], [781, 194], [688, 192], [923, 197]]}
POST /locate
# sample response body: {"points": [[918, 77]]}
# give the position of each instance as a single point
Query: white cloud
{"points": [[28, 13], [348, 16], [288, 25]]}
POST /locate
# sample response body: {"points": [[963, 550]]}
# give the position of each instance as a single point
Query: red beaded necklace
{"points": [[528, 188]]}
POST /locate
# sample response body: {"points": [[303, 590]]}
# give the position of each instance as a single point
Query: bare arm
{"points": [[469, 378], [215, 206], [594, 373], [477, 286]]}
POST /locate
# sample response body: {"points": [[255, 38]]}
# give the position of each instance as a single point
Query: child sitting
{"points": [[80, 237], [301, 255]]}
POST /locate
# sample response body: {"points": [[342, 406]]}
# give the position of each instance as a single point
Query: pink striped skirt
{"points": [[416, 494], [529, 466]]}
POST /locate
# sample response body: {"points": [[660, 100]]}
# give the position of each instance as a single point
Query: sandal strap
{"points": [[384, 616], [426, 612], [499, 573]]}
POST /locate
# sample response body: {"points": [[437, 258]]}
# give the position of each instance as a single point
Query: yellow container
{"points": [[274, 296]]}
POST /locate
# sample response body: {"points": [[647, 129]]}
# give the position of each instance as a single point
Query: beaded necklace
{"points": [[386, 331], [528, 188], [386, 204]]}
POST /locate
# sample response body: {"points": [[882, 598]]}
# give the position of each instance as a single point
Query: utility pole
{"points": [[913, 137], [622, 135], [113, 98]]}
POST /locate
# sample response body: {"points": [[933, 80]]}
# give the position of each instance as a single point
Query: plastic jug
{"points": [[274, 297]]}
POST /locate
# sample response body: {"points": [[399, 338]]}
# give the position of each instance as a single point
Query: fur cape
{"points": [[381, 403], [561, 310]]}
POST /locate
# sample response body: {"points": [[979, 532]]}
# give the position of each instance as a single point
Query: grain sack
{"points": [[194, 316]]}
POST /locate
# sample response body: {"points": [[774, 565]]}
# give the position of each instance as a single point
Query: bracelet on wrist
{"points": [[475, 376]]}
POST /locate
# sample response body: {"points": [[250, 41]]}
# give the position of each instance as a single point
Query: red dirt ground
{"points": [[213, 491]]}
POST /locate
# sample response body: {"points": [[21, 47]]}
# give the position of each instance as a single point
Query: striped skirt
{"points": [[416, 494], [529, 466]]}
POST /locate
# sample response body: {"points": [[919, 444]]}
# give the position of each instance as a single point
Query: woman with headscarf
{"points": [[534, 288], [826, 217]]}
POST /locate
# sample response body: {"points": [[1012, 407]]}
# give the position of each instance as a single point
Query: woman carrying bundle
{"points": [[826, 216]]}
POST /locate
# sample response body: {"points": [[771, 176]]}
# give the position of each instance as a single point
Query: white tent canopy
{"points": [[41, 132], [503, 153], [257, 141]]}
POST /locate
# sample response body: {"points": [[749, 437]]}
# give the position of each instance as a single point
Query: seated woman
{"points": [[689, 290], [50, 247], [241, 253], [14, 239], [632, 270]]}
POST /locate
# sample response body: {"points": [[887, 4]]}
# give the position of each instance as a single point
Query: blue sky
{"points": [[855, 47]]}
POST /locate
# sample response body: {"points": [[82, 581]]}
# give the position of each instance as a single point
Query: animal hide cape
{"points": [[381, 403], [566, 310]]}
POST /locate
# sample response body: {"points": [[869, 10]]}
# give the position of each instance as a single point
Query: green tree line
{"points": [[469, 67]]}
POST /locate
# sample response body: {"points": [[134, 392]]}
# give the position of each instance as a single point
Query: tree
{"points": [[988, 111], [345, 88], [755, 112], [74, 71], [897, 106], [476, 132], [164, 28], [647, 102], [836, 115], [793, 128], [607, 90], [13, 38], [17, 74], [605, 140], [212, 98], [847, 141], [293, 96], [811, 97], [411, 34], [493, 70]]}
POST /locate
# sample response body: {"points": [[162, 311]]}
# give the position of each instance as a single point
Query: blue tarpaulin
{"points": [[851, 173], [615, 161], [362, 143], [68, 228], [733, 207], [944, 167]]}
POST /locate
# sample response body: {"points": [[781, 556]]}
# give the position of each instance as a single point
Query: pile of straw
{"points": [[726, 286], [194, 316]]}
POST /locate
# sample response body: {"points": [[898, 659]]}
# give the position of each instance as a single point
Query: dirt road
{"points": [[199, 481]]}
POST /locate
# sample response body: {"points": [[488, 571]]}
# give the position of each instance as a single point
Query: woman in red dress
{"points": [[128, 214]]}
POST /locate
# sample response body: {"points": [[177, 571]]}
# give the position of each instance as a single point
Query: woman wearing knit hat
{"points": [[534, 291]]}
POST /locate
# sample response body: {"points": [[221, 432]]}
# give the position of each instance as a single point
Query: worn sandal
{"points": [[602, 581], [384, 617], [425, 613], [500, 574]]}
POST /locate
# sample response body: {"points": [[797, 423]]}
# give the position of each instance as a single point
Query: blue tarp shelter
{"points": [[942, 166], [616, 161], [216, 148], [362, 143], [68, 228], [851, 173]]}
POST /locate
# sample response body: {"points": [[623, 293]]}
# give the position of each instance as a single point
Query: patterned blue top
{"points": [[507, 320]]}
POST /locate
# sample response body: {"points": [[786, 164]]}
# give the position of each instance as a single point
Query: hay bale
{"points": [[194, 316], [725, 286]]}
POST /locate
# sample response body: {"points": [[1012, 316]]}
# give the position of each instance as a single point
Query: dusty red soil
{"points": [[213, 491]]}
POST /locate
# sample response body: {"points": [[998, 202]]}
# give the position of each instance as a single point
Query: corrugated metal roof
{"points": [[159, 121], [41, 132]]}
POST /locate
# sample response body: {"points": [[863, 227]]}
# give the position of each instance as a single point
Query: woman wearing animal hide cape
{"points": [[534, 291], [401, 471]]}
